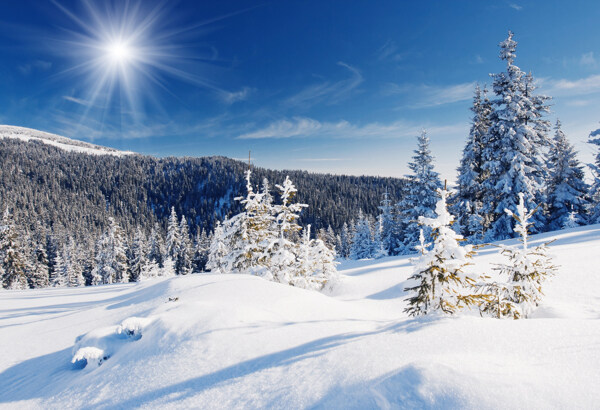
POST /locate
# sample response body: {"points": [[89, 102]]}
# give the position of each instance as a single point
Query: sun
{"points": [[123, 56], [118, 52]]}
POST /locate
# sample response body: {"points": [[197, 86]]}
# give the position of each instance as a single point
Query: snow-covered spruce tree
{"points": [[60, 275], [345, 241], [513, 147], [75, 268], [468, 200], [594, 195], [201, 251], [526, 270], [40, 274], [156, 245], [245, 237], [139, 264], [419, 198], [248, 234], [441, 283], [173, 237], [567, 190], [111, 259], [185, 252], [218, 252], [315, 265], [386, 225], [362, 242], [282, 250], [12, 258]]}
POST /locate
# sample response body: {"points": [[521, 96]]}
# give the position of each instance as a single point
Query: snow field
{"points": [[236, 341]]}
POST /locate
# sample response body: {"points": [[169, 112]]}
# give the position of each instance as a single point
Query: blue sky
{"points": [[333, 86]]}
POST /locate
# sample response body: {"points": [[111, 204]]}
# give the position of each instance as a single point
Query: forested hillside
{"points": [[46, 187]]}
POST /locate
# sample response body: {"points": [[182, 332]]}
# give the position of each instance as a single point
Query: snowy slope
{"points": [[67, 144], [235, 341]]}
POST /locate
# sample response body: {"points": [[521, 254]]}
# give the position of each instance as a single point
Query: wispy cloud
{"points": [[76, 100], [38, 65], [431, 96], [588, 60], [229, 97], [301, 127], [389, 51], [563, 87], [515, 6], [328, 92]]}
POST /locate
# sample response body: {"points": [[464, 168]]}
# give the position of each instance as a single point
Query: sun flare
{"points": [[119, 52]]}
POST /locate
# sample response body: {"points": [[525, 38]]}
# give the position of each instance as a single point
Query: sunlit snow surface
{"points": [[66, 144], [242, 342]]}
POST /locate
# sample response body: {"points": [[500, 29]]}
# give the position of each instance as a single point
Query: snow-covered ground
{"points": [[67, 144], [242, 342]]}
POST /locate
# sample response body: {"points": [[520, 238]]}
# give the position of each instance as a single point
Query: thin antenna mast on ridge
{"points": [[249, 158]]}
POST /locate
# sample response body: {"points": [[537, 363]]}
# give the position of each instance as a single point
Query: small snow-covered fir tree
{"points": [[315, 266], [111, 258], [567, 190], [282, 250], [526, 270], [249, 233], [218, 252], [441, 281], [362, 242], [419, 196]]}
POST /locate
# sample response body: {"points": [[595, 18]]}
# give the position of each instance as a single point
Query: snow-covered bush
{"points": [[526, 271]]}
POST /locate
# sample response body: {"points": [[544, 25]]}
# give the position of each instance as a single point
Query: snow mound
{"points": [[67, 144], [99, 345]]}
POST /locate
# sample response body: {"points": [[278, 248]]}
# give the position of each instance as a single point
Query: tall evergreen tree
{"points": [[513, 147], [185, 253], [567, 190], [173, 236], [468, 201], [12, 258], [419, 197], [156, 247], [386, 225], [139, 264], [594, 195]]}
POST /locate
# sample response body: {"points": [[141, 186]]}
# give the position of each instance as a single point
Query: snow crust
{"points": [[237, 341], [67, 144]]}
